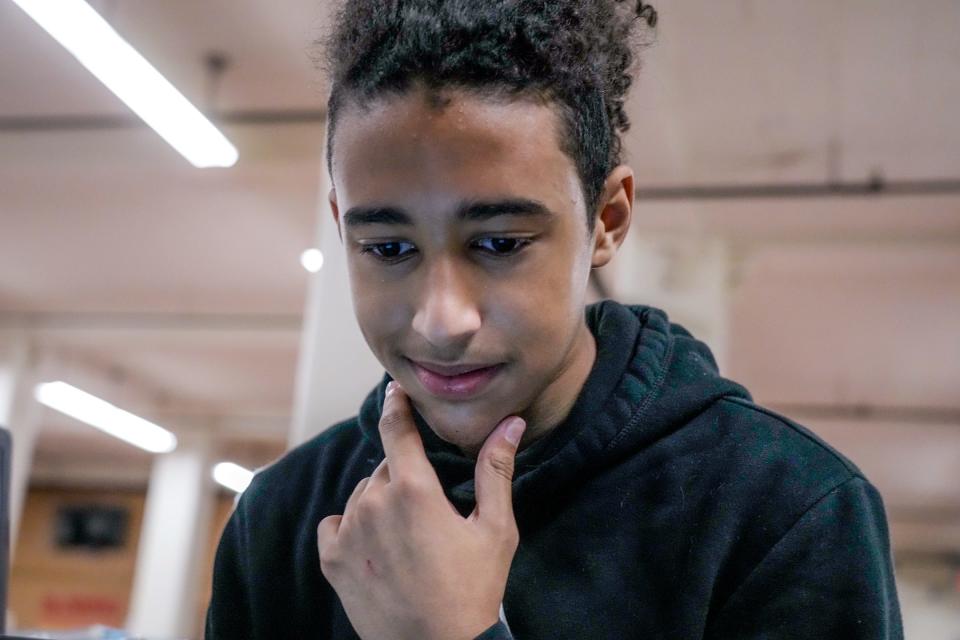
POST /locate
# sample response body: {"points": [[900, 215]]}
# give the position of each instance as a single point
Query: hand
{"points": [[404, 562]]}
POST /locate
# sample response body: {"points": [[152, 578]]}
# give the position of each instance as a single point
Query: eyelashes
{"points": [[514, 245], [380, 250], [495, 247]]}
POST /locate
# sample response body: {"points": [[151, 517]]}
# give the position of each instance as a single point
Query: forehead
{"points": [[423, 148]]}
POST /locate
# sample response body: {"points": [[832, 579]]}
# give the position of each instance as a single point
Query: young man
{"points": [[533, 467]]}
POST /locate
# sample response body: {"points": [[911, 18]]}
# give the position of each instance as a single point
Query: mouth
{"points": [[454, 381]]}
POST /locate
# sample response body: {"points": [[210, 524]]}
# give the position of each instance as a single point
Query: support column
{"points": [[20, 413], [175, 530], [336, 369]]}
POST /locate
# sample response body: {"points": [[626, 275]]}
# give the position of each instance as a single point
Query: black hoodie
{"points": [[666, 505]]}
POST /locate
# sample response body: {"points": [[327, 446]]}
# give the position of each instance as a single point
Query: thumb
{"points": [[494, 473]]}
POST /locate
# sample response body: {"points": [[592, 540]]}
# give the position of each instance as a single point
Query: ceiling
{"points": [[117, 252], [118, 257]]}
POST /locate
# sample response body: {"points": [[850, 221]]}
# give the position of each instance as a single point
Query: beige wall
{"points": [[52, 588]]}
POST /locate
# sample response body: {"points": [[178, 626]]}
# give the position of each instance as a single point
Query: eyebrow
{"points": [[471, 211]]}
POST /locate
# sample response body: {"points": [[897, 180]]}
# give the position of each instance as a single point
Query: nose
{"points": [[448, 313]]}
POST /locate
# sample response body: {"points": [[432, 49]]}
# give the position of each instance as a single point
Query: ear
{"points": [[613, 220], [335, 211]]}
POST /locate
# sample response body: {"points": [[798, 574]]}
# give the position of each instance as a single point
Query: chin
{"points": [[466, 427]]}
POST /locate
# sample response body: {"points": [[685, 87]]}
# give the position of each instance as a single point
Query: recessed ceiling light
{"points": [[91, 39], [312, 260]]}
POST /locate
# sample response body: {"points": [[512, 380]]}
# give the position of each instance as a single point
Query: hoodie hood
{"points": [[649, 379]]}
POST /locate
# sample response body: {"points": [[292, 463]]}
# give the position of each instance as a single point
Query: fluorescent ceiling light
{"points": [[312, 260], [232, 476], [81, 30], [101, 414]]}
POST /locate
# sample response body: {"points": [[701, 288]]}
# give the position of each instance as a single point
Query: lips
{"points": [[454, 381], [450, 370]]}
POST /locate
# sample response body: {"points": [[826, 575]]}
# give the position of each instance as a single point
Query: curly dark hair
{"points": [[576, 55]]}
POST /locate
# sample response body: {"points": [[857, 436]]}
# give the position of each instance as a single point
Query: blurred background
{"points": [[798, 209]]}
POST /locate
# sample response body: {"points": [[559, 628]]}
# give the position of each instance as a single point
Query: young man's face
{"points": [[465, 231]]}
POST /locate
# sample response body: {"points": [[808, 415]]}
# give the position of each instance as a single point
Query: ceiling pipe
{"points": [[876, 185]]}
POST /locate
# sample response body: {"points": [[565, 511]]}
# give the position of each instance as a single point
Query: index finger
{"points": [[398, 433]]}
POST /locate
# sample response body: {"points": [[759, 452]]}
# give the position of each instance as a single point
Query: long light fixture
{"points": [[110, 419], [232, 476], [91, 39]]}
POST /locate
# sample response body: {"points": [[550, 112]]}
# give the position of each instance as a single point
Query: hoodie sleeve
{"points": [[228, 617], [830, 576]]}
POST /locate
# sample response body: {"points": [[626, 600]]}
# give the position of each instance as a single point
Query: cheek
{"points": [[540, 312], [380, 309]]}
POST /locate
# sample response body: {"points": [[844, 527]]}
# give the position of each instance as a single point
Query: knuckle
{"points": [[367, 509], [392, 421], [506, 536], [501, 464], [511, 537], [329, 558], [327, 545], [409, 488]]}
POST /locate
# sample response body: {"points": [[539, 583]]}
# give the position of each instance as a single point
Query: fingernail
{"points": [[391, 387], [515, 429]]}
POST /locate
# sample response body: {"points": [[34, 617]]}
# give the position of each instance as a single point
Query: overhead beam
{"points": [[43, 124], [912, 415], [149, 321], [875, 186]]}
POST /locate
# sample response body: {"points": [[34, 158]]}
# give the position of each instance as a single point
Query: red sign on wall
{"points": [[81, 609]]}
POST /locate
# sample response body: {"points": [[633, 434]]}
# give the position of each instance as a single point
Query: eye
{"points": [[388, 251], [502, 247]]}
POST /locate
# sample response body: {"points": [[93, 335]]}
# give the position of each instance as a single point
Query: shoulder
{"points": [[752, 476], [766, 464], [765, 474], [804, 532], [776, 444], [754, 468]]}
